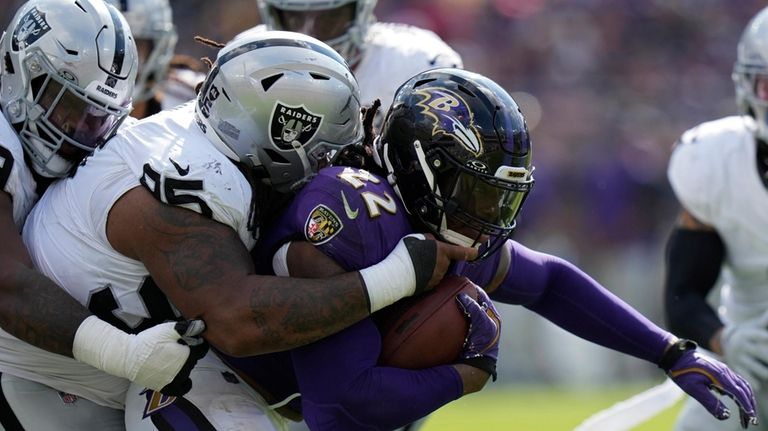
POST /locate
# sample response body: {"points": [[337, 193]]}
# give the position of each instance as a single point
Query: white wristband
{"points": [[101, 345], [391, 279]]}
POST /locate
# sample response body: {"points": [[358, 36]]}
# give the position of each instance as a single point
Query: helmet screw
{"points": [[423, 209], [34, 66], [13, 109], [437, 163]]}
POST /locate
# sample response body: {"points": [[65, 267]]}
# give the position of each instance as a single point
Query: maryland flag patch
{"points": [[322, 225]]}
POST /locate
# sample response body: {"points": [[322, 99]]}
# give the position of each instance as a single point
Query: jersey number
{"points": [[166, 190], [103, 304], [374, 203], [6, 164]]}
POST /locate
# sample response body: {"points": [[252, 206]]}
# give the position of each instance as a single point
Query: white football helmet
{"points": [[68, 71], [152, 26], [342, 24], [752, 63], [281, 103]]}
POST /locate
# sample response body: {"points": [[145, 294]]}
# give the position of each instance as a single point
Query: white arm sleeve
{"points": [[280, 261]]}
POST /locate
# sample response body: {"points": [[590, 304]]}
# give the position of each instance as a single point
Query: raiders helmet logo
{"points": [[322, 225], [292, 126], [33, 26], [452, 117]]}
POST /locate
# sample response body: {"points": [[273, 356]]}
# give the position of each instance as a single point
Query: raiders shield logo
{"points": [[322, 225], [33, 26], [293, 125]]}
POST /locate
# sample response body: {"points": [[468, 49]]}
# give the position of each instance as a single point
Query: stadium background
{"points": [[607, 86]]}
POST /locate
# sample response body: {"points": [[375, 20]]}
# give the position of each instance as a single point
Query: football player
{"points": [[456, 162], [719, 174], [382, 55], [172, 205], [66, 78], [164, 80]]}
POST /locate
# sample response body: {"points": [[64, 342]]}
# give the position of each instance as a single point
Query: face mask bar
{"points": [[480, 209], [62, 117]]}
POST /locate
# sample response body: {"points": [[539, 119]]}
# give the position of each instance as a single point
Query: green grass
{"points": [[537, 409]]}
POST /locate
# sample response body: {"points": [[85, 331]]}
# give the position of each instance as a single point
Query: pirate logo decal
{"points": [[33, 27], [322, 225], [293, 126], [452, 117]]}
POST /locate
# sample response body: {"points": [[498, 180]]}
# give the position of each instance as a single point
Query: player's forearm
{"points": [[568, 297], [583, 307], [279, 313], [36, 310]]}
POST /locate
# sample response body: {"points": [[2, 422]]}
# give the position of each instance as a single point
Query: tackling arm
{"points": [[32, 307], [207, 273]]}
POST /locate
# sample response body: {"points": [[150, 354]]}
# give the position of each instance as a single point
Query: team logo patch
{"points": [[292, 126], [33, 27], [155, 401], [322, 225], [451, 115]]}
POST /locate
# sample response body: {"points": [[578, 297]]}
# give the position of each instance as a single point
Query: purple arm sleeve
{"points": [[343, 389], [565, 295]]}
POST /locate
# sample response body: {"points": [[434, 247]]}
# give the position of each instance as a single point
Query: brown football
{"points": [[427, 330]]}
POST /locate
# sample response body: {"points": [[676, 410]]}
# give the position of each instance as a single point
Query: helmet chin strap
{"points": [[456, 238], [303, 157]]}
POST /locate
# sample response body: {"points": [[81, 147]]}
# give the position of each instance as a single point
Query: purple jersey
{"points": [[353, 216]]}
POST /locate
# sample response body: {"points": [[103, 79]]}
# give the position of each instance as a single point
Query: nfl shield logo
{"points": [[292, 126]]}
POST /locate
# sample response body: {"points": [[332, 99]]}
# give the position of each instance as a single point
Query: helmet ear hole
{"points": [[276, 157]]}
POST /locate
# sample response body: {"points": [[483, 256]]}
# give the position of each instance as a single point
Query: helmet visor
{"points": [[326, 24], [86, 122], [490, 204]]}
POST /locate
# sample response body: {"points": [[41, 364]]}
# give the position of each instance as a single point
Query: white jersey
{"points": [[15, 176], [714, 175], [66, 232], [393, 54]]}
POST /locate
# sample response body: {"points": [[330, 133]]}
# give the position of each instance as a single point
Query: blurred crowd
{"points": [[607, 87]]}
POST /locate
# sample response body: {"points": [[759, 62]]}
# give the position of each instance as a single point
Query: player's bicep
{"points": [[192, 259], [307, 261]]}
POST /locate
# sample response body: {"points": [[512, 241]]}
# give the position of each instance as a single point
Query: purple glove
{"points": [[699, 375], [481, 347]]}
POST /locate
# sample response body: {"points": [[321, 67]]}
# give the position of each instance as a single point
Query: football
{"points": [[427, 330]]}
